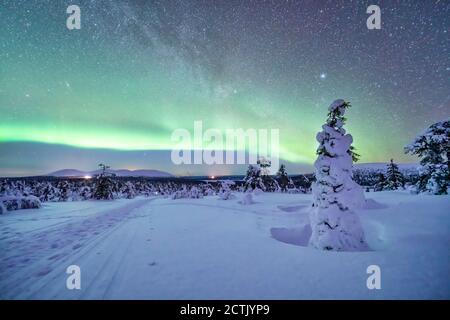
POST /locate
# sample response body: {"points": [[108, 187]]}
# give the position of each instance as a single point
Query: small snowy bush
{"points": [[128, 190], [19, 202], [247, 199], [225, 192], [253, 178], [179, 194]]}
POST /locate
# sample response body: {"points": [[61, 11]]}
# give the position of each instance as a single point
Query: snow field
{"points": [[154, 248]]}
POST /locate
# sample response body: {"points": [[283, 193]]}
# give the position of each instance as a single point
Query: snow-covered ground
{"points": [[153, 248]]}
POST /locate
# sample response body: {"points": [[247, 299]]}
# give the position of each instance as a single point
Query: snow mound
{"points": [[372, 204], [9, 203], [291, 208], [296, 236], [247, 199]]}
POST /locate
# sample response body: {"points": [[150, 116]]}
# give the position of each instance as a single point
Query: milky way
{"points": [[137, 70]]}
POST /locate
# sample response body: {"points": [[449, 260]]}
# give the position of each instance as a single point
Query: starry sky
{"points": [[115, 90]]}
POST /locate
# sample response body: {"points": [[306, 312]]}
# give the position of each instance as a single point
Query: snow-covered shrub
{"points": [[335, 226], [12, 202], [257, 176], [433, 147], [128, 191], [30, 202], [182, 193], [208, 191], [179, 194], [49, 193], [379, 186], [85, 193], [19, 202], [195, 193], [225, 192], [291, 188], [253, 178], [104, 188], [65, 192]]}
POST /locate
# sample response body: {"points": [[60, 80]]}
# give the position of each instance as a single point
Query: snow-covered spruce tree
{"points": [[270, 184], [182, 192], [64, 191], [48, 193], [379, 186], [209, 191], [85, 193], [433, 147], [195, 193], [128, 190], [253, 179], [283, 178], [335, 226], [394, 178], [291, 188], [104, 186], [225, 192]]}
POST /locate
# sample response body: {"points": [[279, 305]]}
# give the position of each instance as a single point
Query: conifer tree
{"points": [[283, 178], [253, 179], [379, 186], [394, 178], [335, 225], [433, 147], [104, 185]]}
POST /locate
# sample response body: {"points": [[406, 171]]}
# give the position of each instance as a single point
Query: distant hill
{"points": [[119, 173], [69, 173]]}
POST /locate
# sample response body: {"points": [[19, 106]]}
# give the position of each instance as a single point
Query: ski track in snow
{"points": [[46, 249]]}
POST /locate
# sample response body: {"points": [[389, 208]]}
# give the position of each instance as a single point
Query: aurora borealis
{"points": [[115, 90]]}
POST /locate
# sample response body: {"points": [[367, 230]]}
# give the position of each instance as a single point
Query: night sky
{"points": [[115, 90]]}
